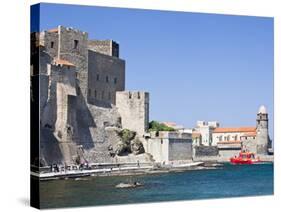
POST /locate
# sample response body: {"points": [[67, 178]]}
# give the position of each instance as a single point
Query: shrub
{"points": [[127, 135], [156, 126]]}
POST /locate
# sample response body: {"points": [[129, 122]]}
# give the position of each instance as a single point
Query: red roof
{"points": [[169, 124], [237, 129], [63, 62], [53, 30]]}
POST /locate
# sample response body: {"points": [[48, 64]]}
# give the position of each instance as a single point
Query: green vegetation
{"points": [[127, 135], [156, 126]]}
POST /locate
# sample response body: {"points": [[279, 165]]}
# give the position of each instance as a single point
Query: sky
{"points": [[196, 66]]}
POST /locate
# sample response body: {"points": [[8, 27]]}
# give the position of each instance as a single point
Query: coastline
{"points": [[122, 171], [203, 163]]}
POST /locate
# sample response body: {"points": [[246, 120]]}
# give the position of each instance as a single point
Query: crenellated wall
{"points": [[133, 107], [106, 47]]}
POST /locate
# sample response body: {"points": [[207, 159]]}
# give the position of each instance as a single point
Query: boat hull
{"points": [[243, 161]]}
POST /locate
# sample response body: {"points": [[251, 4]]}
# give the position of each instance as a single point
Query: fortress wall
{"points": [[228, 150], [107, 47], [158, 148], [106, 76], [180, 149], [44, 89], [134, 110], [50, 41], [45, 59], [201, 151]]}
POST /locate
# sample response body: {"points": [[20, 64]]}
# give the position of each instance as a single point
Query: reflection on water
{"points": [[230, 181]]}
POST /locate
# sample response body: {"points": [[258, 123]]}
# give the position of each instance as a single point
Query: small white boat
{"points": [[128, 185]]}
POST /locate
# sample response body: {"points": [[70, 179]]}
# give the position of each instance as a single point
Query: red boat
{"points": [[245, 158]]}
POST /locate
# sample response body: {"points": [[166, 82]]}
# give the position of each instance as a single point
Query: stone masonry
{"points": [[78, 80], [134, 110]]}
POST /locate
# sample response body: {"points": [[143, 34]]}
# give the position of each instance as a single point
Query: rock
{"points": [[121, 148], [137, 147]]}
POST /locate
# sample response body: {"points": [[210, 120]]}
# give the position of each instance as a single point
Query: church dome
{"points": [[262, 110]]}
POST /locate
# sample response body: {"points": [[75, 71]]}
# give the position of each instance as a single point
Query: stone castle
{"points": [[85, 114], [82, 100]]}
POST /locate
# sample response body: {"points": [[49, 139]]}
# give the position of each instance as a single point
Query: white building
{"points": [[206, 129], [234, 134]]}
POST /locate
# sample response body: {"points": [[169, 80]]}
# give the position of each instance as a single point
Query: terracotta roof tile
{"points": [[63, 62], [53, 30], [236, 129], [169, 123]]}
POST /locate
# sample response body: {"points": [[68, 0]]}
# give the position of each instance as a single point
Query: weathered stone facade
{"points": [[106, 76], [262, 131], [107, 47], [169, 146], [134, 110], [76, 124]]}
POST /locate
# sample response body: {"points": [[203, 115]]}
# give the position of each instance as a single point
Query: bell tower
{"points": [[262, 131]]}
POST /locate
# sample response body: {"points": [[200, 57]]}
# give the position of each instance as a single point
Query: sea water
{"points": [[227, 181]]}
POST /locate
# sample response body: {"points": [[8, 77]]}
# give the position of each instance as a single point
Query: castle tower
{"points": [[65, 43], [133, 107], [262, 131]]}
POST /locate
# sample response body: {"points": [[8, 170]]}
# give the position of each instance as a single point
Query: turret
{"points": [[262, 131]]}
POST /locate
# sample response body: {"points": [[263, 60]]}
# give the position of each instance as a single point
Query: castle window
{"points": [[115, 80], [138, 95], [98, 77], [52, 44], [130, 95], [76, 44], [106, 79], [95, 93]]}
